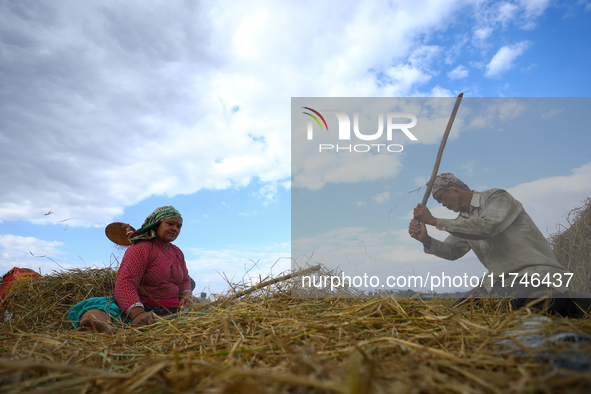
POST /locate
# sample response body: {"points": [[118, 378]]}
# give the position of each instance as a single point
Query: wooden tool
{"points": [[441, 146]]}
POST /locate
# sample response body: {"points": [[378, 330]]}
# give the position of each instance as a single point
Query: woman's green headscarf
{"points": [[147, 230]]}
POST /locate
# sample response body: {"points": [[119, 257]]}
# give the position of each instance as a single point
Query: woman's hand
{"points": [[140, 317], [187, 298], [143, 319]]}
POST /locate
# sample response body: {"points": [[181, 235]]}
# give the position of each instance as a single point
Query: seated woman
{"points": [[152, 277]]}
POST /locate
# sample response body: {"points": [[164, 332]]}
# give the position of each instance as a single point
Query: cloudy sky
{"points": [[111, 109]]}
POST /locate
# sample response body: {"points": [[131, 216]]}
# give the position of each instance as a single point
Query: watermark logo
{"points": [[316, 119], [344, 132]]}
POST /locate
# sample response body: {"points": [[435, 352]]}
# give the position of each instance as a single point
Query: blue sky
{"points": [[109, 110]]}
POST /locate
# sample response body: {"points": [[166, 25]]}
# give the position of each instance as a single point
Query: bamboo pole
{"points": [[247, 291], [441, 147]]}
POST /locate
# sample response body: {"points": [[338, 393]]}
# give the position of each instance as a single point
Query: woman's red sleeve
{"points": [[130, 274]]}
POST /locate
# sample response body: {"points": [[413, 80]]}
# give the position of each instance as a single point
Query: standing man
{"points": [[504, 238]]}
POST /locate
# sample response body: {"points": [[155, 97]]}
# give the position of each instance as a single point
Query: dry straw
{"points": [[270, 342], [572, 246], [42, 303]]}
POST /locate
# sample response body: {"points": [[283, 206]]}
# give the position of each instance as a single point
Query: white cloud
{"points": [[469, 167], [402, 78], [482, 33], [438, 91], [532, 10], [344, 167], [503, 60], [268, 193], [574, 9], [421, 181], [498, 109], [424, 56], [110, 104], [548, 200], [490, 16], [552, 113], [30, 252], [455, 51], [460, 72], [382, 197], [506, 12]]}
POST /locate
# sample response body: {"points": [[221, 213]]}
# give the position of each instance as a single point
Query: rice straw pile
{"points": [[572, 246], [44, 302], [270, 342]]}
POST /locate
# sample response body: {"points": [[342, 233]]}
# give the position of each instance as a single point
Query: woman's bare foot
{"points": [[96, 325], [96, 320]]}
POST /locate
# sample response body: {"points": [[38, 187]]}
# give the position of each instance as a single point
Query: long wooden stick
{"points": [[271, 282], [247, 291], [440, 153]]}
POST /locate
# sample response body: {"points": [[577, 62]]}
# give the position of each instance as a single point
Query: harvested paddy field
{"points": [[269, 342]]}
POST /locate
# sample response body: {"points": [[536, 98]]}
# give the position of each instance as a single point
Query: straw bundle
{"points": [[47, 300], [572, 246], [270, 342]]}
